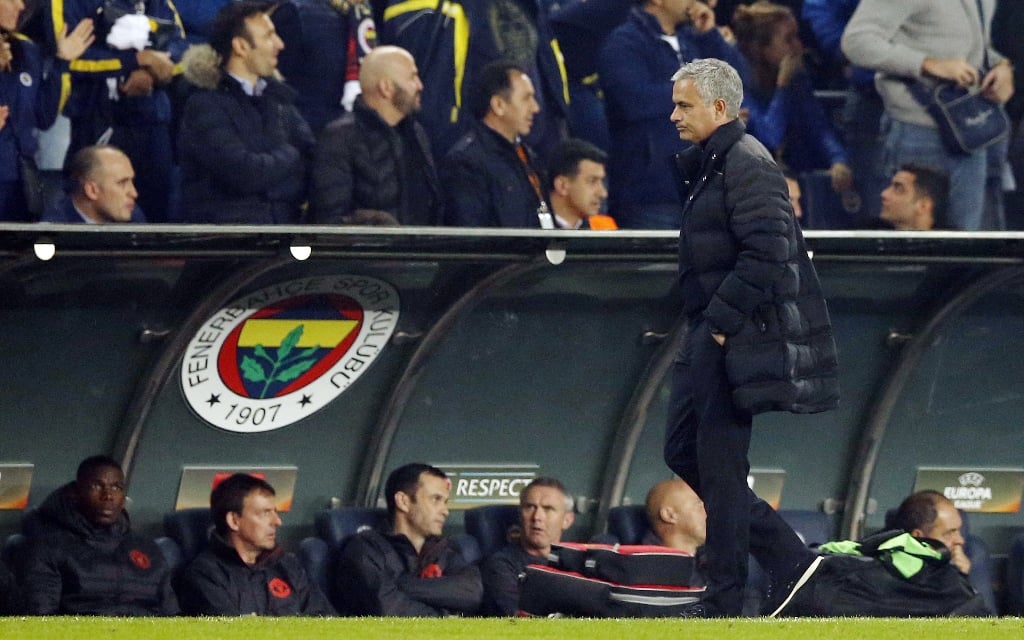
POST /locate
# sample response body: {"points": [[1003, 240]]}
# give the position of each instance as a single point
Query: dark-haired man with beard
{"points": [[83, 558], [377, 158]]}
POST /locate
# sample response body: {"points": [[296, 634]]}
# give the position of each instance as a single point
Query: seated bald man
{"points": [[373, 165], [676, 515]]}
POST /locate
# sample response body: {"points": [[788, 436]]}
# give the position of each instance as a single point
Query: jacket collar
{"points": [[700, 160], [223, 549], [368, 115]]}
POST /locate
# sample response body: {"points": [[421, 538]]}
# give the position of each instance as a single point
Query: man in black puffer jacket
{"points": [[82, 557], [244, 571], [378, 158], [244, 147], [759, 334]]}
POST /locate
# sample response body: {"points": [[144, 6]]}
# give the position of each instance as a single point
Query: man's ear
{"points": [[561, 185], [924, 210], [386, 88], [402, 501], [240, 46], [667, 514], [233, 519], [720, 108], [91, 190], [497, 105], [567, 521]]}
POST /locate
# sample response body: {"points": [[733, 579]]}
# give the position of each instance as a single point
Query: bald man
{"points": [[375, 163], [103, 189], [676, 515]]}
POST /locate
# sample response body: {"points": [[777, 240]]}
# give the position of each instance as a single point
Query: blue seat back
{"points": [[190, 529], [171, 552], [491, 525], [628, 524], [316, 558], [13, 550], [813, 527], [334, 526]]}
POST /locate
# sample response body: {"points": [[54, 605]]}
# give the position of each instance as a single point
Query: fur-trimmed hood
{"points": [[202, 67]]}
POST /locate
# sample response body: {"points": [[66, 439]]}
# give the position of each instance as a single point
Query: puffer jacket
{"points": [[362, 162], [219, 583], [381, 574], [73, 567], [743, 265], [244, 159]]}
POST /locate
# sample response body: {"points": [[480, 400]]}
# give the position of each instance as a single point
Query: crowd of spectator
{"points": [[398, 113]]}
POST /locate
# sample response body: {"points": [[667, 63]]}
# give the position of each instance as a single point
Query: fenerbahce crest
{"points": [[278, 355]]}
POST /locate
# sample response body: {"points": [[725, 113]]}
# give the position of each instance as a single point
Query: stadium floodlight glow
{"points": [[44, 250], [300, 252]]}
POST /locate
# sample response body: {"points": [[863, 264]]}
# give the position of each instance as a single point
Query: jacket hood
{"points": [[59, 510], [201, 66]]}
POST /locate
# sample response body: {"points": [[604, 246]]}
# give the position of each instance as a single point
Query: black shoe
{"points": [[780, 600]]}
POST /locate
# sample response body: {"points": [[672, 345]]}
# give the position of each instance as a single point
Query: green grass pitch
{"points": [[252, 628]]}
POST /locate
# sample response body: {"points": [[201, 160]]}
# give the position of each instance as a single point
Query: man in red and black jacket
{"points": [[410, 570], [243, 570], [83, 558]]}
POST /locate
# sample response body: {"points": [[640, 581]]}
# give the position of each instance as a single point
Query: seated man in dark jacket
{"points": [[411, 570], [244, 147], [82, 557], [546, 512], [378, 158], [243, 571]]}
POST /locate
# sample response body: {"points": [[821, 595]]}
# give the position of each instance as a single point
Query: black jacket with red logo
{"points": [[382, 575], [73, 567], [219, 583]]}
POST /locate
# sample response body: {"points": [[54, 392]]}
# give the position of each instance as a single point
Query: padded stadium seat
{"points": [[171, 552], [813, 527], [490, 525], [334, 526], [190, 530], [982, 574], [1015, 578], [13, 549], [315, 556], [627, 524]]}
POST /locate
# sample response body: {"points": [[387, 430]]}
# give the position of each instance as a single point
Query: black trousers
{"points": [[706, 444]]}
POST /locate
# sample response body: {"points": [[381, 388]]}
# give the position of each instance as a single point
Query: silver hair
{"points": [[715, 79]]}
